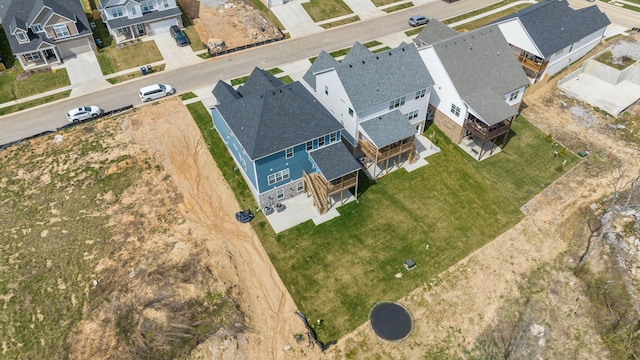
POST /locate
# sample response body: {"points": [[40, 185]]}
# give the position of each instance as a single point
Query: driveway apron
{"points": [[295, 19], [85, 74], [364, 8], [175, 56]]}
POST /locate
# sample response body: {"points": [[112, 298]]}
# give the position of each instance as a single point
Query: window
{"points": [[280, 194], [321, 141], [455, 110], [244, 164], [333, 137], [165, 3], [351, 112], [300, 186], [326, 90], [514, 95], [420, 94], [146, 6], [61, 30], [396, 103], [309, 145], [289, 153], [116, 12], [36, 28], [22, 37], [278, 176], [32, 56], [412, 115], [134, 11]]}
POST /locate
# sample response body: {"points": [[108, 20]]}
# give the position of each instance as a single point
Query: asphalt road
{"points": [[51, 116]]}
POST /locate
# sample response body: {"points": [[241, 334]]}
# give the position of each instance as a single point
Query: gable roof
{"points": [[146, 17], [20, 14], [323, 62], [553, 25], [482, 67], [357, 53], [271, 120], [259, 81], [433, 32], [388, 128], [334, 161], [377, 78]]}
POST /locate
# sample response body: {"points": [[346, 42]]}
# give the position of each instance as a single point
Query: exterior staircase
{"points": [[313, 184]]}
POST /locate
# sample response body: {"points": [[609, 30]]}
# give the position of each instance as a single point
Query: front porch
{"points": [[39, 58], [130, 32]]}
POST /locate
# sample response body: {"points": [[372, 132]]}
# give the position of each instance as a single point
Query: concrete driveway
{"points": [[175, 56], [85, 74]]}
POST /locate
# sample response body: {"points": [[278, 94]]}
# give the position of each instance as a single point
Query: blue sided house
{"points": [[283, 141]]}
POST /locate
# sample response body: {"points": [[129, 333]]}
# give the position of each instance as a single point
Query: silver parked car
{"points": [[418, 20]]}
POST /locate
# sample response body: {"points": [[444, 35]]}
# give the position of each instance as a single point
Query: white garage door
{"points": [[71, 49], [162, 26]]}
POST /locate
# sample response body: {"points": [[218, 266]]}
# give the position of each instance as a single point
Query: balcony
{"points": [[533, 65], [485, 132]]}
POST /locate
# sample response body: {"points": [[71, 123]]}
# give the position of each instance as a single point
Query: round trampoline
{"points": [[391, 321]]}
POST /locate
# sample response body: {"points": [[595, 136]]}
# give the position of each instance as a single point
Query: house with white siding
{"points": [[380, 99], [130, 19], [548, 36], [479, 84]]}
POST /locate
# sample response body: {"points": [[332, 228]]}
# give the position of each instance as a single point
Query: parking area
{"points": [[175, 56]]}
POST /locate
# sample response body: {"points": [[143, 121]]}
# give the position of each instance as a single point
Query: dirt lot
{"points": [[236, 22]]}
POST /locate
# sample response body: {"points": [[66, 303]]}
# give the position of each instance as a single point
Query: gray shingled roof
{"points": [[146, 17], [387, 129], [357, 53], [553, 25], [334, 161], [379, 78], [259, 81], [276, 119], [324, 61], [20, 14], [224, 92], [483, 69], [433, 32]]}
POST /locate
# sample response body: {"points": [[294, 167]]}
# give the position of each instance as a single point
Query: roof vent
{"points": [[363, 61], [273, 93], [377, 58], [402, 49], [350, 65], [280, 90]]}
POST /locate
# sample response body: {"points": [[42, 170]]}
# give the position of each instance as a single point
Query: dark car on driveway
{"points": [[418, 20], [181, 38]]}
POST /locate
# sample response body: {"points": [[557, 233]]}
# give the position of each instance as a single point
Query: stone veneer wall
{"points": [[448, 126]]}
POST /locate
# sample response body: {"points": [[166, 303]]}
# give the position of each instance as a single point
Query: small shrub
{"points": [[549, 138]]}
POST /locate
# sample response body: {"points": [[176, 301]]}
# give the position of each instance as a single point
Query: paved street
{"points": [[207, 73]]}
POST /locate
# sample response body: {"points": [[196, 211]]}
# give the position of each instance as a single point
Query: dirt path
{"points": [[234, 253]]}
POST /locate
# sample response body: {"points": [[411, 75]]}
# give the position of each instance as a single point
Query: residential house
{"points": [[130, 19], [548, 36], [283, 141], [479, 83], [45, 32], [381, 99]]}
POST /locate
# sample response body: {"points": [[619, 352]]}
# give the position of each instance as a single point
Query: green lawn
{"points": [[320, 10], [11, 88], [490, 18], [333, 24], [336, 270], [31, 103], [397, 7], [113, 59], [133, 75], [478, 12]]}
